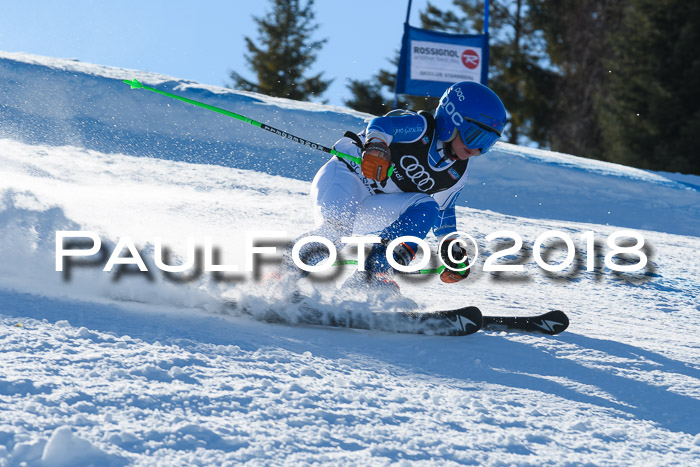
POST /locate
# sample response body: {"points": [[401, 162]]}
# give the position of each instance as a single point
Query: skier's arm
{"points": [[446, 221], [445, 224], [381, 132], [406, 128]]}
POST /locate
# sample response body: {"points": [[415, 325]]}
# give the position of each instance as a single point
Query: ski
{"points": [[551, 323], [455, 322], [468, 320], [458, 322], [301, 311]]}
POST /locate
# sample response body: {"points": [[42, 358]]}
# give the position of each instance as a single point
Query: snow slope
{"points": [[63, 102], [111, 370]]}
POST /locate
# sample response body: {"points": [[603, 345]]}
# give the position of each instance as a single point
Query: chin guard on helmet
{"points": [[472, 110]]}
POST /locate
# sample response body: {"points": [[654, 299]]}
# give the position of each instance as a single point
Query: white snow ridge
{"points": [[133, 368]]}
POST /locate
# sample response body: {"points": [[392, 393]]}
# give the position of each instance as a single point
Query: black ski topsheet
{"points": [[455, 322], [459, 322], [551, 323]]}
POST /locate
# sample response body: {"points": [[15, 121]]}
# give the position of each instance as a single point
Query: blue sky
{"points": [[202, 41]]}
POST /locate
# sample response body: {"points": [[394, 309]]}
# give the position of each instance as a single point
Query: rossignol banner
{"points": [[431, 61]]}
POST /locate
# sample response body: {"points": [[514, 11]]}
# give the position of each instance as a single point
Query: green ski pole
{"points": [[137, 85]]}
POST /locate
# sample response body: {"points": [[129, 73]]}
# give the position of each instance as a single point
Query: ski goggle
{"points": [[476, 135]]}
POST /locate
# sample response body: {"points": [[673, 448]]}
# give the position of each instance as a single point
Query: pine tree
{"points": [[578, 47], [371, 95], [652, 116], [515, 53], [283, 52], [367, 97]]}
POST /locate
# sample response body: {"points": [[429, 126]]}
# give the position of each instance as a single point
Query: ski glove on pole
{"points": [[376, 160], [458, 253]]}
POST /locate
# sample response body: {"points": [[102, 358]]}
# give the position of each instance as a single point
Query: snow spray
{"points": [[137, 85]]}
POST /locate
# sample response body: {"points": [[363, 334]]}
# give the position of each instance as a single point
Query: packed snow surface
{"points": [[124, 367]]}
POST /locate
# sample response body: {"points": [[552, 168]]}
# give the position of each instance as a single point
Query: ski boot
{"points": [[378, 276], [287, 275]]}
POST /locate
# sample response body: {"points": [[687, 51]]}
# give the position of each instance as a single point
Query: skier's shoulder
{"points": [[403, 112], [406, 114], [400, 113], [401, 126]]}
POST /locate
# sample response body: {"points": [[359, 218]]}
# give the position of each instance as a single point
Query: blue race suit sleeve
{"points": [[446, 221], [406, 128]]}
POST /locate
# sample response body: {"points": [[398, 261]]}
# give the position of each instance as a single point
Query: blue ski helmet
{"points": [[475, 111]]}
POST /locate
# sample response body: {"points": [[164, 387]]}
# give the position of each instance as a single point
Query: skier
{"points": [[429, 153]]}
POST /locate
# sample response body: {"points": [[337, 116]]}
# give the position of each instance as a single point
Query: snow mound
{"points": [[65, 449]]}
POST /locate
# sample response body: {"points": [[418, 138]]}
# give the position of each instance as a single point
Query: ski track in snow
{"points": [[137, 371]]}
